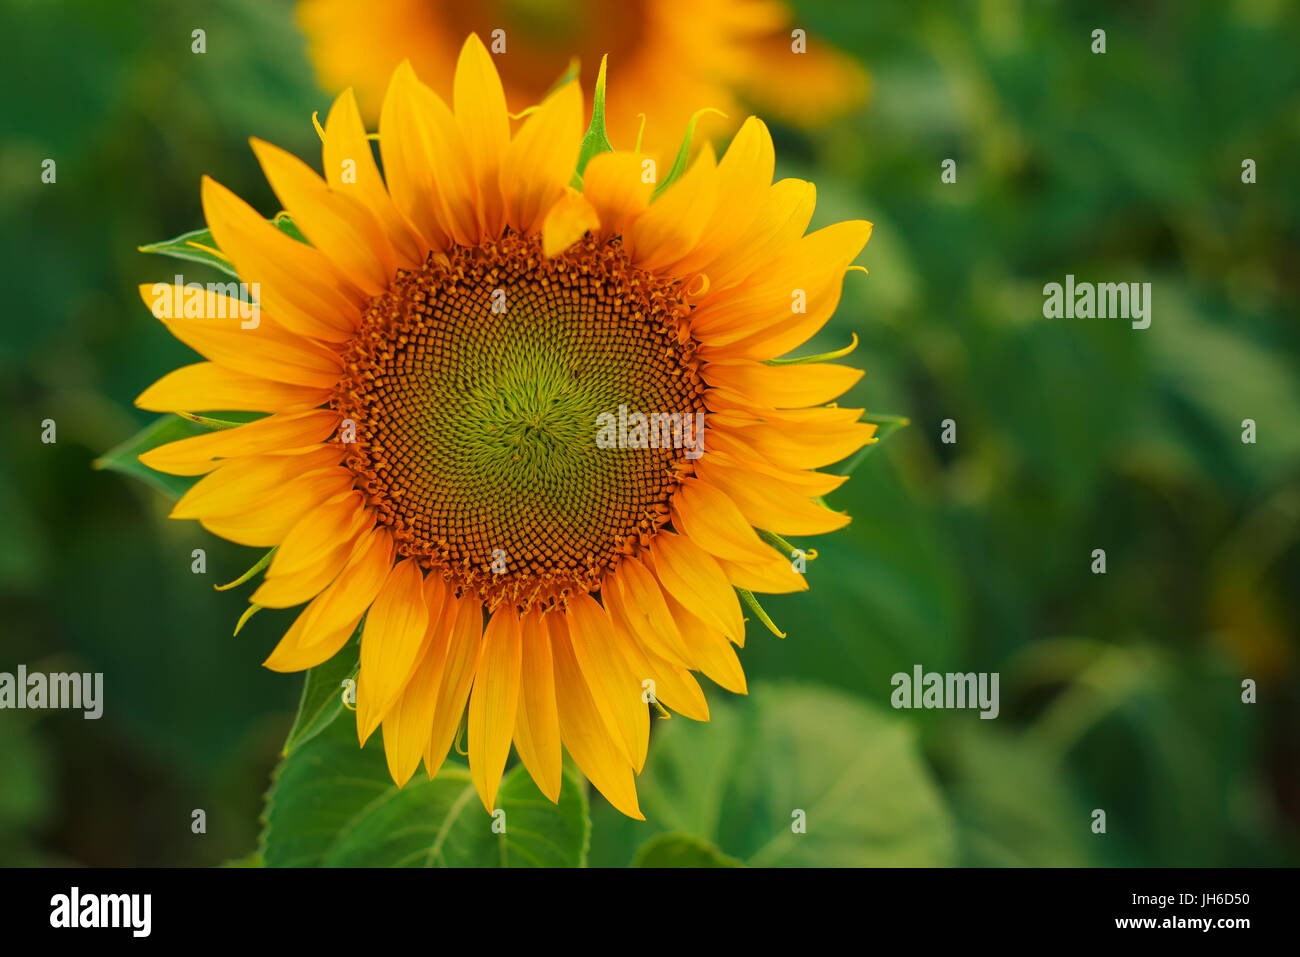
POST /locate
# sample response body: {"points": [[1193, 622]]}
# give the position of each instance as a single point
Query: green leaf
{"points": [[740, 782], [1014, 805], [322, 694], [595, 141], [198, 245], [124, 458], [683, 153], [333, 804], [681, 850]]}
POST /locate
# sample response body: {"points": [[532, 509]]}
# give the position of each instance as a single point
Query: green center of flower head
{"points": [[478, 385]]}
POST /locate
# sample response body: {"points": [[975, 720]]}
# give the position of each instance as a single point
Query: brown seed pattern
{"points": [[475, 384]]}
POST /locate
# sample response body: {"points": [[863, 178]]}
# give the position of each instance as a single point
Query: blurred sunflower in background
{"points": [[668, 58], [435, 361]]}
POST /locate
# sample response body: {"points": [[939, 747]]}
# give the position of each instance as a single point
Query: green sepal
{"points": [[261, 564], [596, 140], [195, 246], [820, 357], [208, 422], [781, 545], [683, 153], [198, 245], [748, 597]]}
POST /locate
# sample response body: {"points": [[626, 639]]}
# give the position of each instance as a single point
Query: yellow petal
{"points": [[295, 653], [350, 169], [712, 521], [338, 225], [765, 502], [541, 158], [632, 595], [689, 574], [331, 618], [285, 433], [408, 159], [713, 653], [267, 520], [294, 588], [333, 522], [807, 446], [673, 224], [493, 703], [450, 171], [409, 723], [672, 683], [804, 89], [799, 289], [537, 724], [774, 577], [730, 450], [584, 732], [480, 104], [208, 387], [616, 185], [816, 267], [464, 636], [390, 644], [781, 386], [212, 324], [297, 284], [783, 215], [568, 220], [314, 551], [744, 179], [236, 485], [615, 690]]}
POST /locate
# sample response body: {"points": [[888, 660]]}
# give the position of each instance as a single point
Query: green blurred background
{"points": [[1119, 691]]}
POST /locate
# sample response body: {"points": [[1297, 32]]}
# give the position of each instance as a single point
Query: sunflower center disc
{"points": [[476, 385]]}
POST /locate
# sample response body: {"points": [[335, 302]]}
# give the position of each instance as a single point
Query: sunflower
{"points": [[670, 57], [439, 362]]}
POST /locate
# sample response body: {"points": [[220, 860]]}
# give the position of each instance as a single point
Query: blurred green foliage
{"points": [[1119, 691]]}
